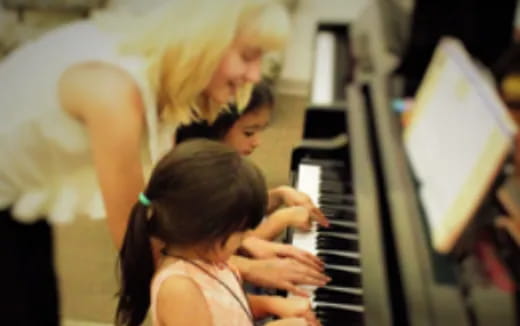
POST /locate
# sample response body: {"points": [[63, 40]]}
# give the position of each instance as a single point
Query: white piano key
{"points": [[342, 306], [308, 183], [350, 269], [348, 254], [309, 290], [357, 291], [343, 223], [348, 236], [306, 240], [309, 179]]}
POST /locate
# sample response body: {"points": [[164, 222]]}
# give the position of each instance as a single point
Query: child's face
{"points": [[244, 135]]}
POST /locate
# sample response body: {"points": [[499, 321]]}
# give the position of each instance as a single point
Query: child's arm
{"points": [[180, 302], [297, 217], [266, 305]]}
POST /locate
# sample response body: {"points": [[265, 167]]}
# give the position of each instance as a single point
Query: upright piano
{"points": [[351, 162]]}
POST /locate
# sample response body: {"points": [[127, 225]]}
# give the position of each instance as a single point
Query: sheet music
{"points": [[457, 140]]}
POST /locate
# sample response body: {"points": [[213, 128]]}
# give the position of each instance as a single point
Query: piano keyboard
{"points": [[341, 300]]}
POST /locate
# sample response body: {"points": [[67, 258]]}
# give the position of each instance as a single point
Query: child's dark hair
{"points": [[262, 96], [200, 193]]}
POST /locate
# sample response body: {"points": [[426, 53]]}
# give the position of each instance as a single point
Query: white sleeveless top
{"points": [[46, 169]]}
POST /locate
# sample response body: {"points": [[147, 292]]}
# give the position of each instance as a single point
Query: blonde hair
{"points": [[183, 42]]}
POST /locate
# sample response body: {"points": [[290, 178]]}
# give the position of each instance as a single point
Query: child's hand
{"points": [[297, 217], [290, 322], [293, 197], [282, 273], [296, 307], [263, 249], [292, 307]]}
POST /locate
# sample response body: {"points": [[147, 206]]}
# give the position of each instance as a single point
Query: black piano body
{"points": [[399, 272]]}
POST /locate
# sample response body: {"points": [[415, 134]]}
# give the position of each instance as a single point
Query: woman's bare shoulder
{"points": [[90, 87]]}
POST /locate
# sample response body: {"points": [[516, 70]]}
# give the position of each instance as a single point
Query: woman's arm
{"points": [[180, 302], [107, 100]]}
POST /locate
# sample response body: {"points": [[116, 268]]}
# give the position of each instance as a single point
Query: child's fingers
{"points": [[304, 275], [318, 215], [288, 286], [310, 276], [311, 319], [302, 256], [305, 225], [289, 322], [301, 218]]}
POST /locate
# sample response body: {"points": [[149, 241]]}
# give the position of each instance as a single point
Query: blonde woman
{"points": [[86, 111]]}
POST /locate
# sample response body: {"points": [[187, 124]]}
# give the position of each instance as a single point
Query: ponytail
{"points": [[136, 267]]}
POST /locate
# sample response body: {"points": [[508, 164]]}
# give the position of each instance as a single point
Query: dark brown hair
{"points": [[200, 193]]}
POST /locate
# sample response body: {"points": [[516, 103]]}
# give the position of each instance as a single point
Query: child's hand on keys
{"points": [[289, 322], [298, 217], [262, 249], [296, 307], [292, 197]]}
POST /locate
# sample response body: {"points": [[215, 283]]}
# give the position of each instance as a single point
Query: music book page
{"points": [[458, 137]]}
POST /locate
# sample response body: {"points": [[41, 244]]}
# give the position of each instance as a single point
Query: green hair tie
{"points": [[144, 200]]}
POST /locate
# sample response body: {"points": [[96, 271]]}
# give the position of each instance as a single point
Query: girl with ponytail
{"points": [[201, 201]]}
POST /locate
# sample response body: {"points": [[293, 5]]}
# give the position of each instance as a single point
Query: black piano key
{"points": [[342, 208], [334, 167], [339, 244], [343, 222], [343, 278], [337, 228], [336, 187], [338, 316], [336, 199], [334, 235], [332, 296], [324, 242], [338, 259], [327, 322], [334, 174], [324, 163], [338, 215]]}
